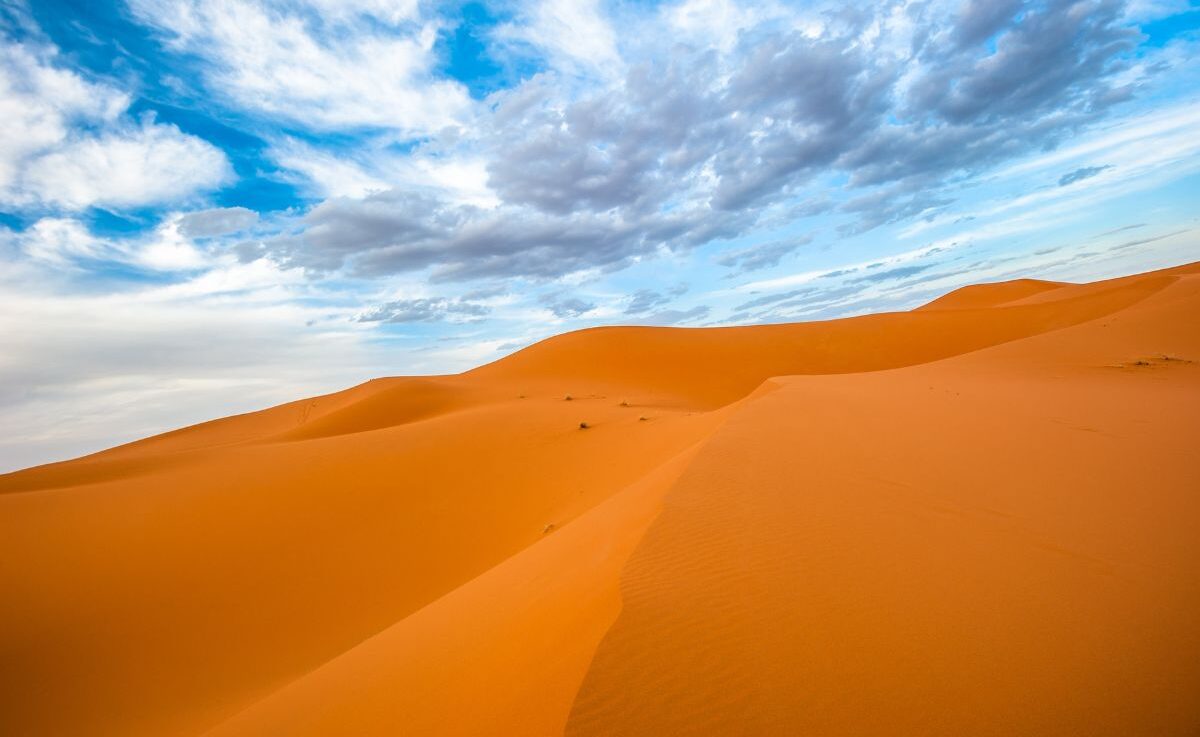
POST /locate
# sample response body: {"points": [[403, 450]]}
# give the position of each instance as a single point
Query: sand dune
{"points": [[977, 517]]}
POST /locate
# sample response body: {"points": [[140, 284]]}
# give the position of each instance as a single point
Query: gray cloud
{"points": [[566, 306], [1144, 241], [886, 206], [807, 103], [978, 20], [630, 147], [762, 256], [1085, 172], [396, 231], [644, 300], [842, 272], [1122, 229], [220, 221], [485, 292], [693, 147], [806, 302], [773, 298], [1054, 58], [897, 273], [436, 309]]}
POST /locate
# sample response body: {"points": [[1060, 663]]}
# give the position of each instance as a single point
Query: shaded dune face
{"points": [[972, 518]]}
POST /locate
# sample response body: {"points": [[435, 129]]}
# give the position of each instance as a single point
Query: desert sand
{"points": [[978, 517]]}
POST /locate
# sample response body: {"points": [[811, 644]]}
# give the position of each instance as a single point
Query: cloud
{"points": [[484, 293], [572, 33], [890, 205], [718, 22], [806, 303], [1055, 68], [219, 221], [979, 20], [373, 166], [768, 299], [393, 12], [701, 144], [635, 146], [59, 241], [369, 64], [1144, 241], [147, 165], [398, 231], [644, 300], [803, 103], [68, 143], [1055, 57], [624, 134], [324, 173], [40, 102], [564, 306], [67, 244], [761, 256], [86, 371], [890, 274], [423, 310], [1122, 229], [1084, 172]]}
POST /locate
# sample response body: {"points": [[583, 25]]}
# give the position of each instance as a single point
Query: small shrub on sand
{"points": [[584, 426], [567, 398]]}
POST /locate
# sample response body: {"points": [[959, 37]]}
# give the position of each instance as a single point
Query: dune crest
{"points": [[971, 518]]}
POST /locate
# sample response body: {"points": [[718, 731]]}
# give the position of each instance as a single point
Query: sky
{"points": [[213, 206]]}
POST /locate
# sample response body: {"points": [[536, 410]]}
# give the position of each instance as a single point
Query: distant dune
{"points": [[981, 517]]}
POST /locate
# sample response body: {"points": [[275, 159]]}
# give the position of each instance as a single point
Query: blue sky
{"points": [[211, 206]]}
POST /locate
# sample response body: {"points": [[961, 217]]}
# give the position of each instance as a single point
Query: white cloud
{"points": [[573, 33], [324, 173], [169, 250], [459, 177], [67, 143], [39, 103], [388, 11], [718, 22], [271, 61], [64, 242], [59, 241], [85, 372], [462, 179], [145, 165]]}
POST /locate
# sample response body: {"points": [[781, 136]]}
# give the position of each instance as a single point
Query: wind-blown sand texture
{"points": [[979, 517]]}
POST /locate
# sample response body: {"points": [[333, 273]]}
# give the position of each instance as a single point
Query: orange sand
{"points": [[978, 517]]}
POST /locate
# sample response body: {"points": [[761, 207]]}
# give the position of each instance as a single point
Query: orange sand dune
{"points": [[991, 295], [978, 517]]}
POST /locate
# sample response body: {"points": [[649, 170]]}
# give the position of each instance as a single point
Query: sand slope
{"points": [[973, 518]]}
